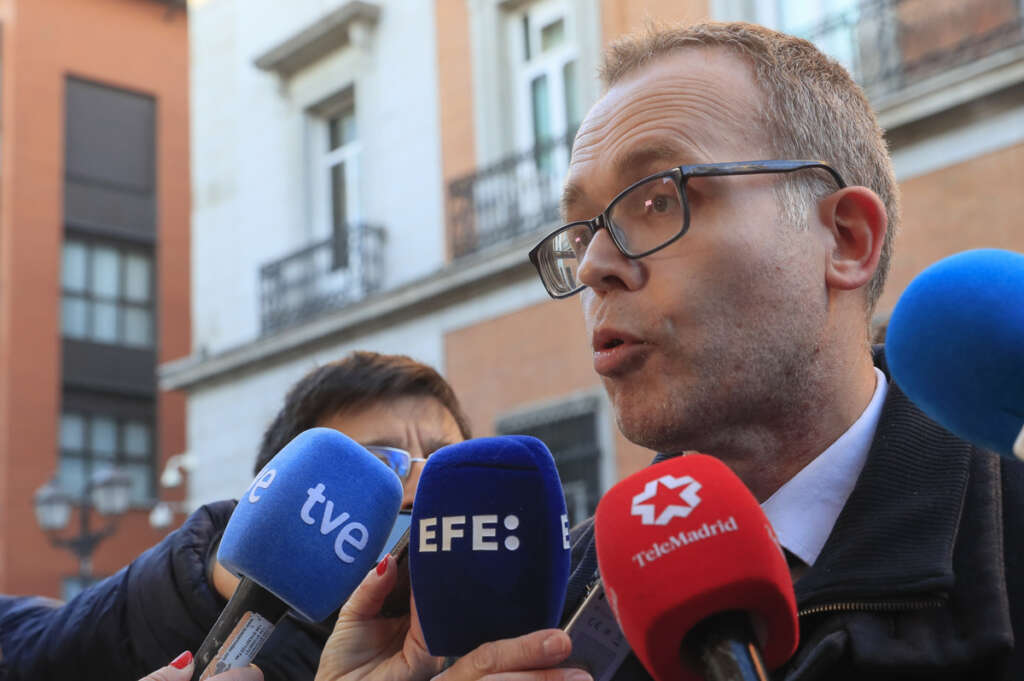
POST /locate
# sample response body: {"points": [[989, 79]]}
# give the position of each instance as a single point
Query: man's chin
{"points": [[646, 430]]}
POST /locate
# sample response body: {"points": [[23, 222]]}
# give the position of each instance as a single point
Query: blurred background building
{"points": [[369, 174], [94, 267], [372, 174]]}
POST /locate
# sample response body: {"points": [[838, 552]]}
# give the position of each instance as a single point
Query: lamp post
{"points": [[163, 512], [106, 492]]}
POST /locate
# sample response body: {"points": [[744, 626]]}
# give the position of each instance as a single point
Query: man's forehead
{"points": [[692, 106]]}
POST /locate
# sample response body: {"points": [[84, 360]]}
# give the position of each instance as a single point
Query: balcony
{"points": [[890, 45], [322, 277], [513, 197], [896, 49]]}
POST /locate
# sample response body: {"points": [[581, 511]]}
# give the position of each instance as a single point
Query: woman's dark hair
{"points": [[359, 380]]}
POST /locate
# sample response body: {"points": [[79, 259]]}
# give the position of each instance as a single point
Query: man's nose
{"points": [[604, 267]]}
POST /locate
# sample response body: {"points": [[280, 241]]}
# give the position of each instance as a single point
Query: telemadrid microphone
{"points": [[694, 573], [489, 546], [303, 536], [955, 346]]}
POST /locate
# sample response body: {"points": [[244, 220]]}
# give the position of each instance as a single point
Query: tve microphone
{"points": [[955, 346], [694, 573], [489, 548], [302, 537]]}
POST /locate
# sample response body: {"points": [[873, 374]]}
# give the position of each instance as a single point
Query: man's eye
{"points": [[661, 204], [658, 204]]}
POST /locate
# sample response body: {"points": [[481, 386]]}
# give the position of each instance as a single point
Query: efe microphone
{"points": [[489, 547], [694, 573], [955, 346], [302, 537]]}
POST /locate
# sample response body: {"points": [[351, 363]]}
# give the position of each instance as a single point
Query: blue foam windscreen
{"points": [[955, 345], [489, 549], [313, 522]]}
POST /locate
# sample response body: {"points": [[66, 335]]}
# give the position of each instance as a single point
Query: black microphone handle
{"points": [[725, 648], [244, 625]]}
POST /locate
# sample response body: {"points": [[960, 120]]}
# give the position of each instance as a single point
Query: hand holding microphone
{"points": [[694, 573], [480, 589], [302, 537], [489, 547], [367, 647], [182, 667], [365, 644]]}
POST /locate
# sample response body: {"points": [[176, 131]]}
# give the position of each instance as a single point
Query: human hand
{"points": [[365, 647], [531, 657], [182, 666], [223, 581]]}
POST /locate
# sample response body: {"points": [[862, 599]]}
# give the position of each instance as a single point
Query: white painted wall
{"points": [[250, 168], [226, 419]]}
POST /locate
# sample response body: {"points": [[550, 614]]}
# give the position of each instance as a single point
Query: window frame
{"points": [[121, 302], [323, 159], [121, 457]]}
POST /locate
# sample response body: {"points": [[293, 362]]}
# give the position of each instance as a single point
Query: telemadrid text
{"points": [[675, 541]]}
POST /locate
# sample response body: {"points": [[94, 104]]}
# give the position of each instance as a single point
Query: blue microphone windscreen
{"points": [[955, 345], [489, 549], [313, 522]]}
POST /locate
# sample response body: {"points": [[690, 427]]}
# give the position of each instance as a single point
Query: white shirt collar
{"points": [[804, 510]]}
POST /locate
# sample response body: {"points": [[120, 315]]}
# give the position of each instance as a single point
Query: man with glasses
{"points": [[729, 211], [728, 301]]}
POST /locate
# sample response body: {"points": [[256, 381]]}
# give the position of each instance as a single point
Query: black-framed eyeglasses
{"points": [[645, 217], [398, 460]]}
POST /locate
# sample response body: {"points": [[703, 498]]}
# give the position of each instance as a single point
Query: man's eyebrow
{"points": [[572, 194], [633, 165], [636, 163]]}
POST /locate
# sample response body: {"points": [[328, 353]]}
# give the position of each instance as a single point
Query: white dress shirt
{"points": [[804, 510]]}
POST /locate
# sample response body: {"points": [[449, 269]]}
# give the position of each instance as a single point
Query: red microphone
{"points": [[695, 573]]}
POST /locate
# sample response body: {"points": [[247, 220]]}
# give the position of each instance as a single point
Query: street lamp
{"points": [[107, 492], [163, 512]]}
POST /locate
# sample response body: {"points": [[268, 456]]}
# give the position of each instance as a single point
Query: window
{"points": [[107, 294], [830, 24], [837, 27], [91, 443], [336, 155], [545, 59], [570, 431]]}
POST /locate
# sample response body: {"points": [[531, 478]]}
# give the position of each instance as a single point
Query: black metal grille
{"points": [[322, 277], [516, 196], [888, 45], [891, 44]]}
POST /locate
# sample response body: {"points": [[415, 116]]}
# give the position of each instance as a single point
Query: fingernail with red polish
{"points": [[382, 566], [182, 661]]}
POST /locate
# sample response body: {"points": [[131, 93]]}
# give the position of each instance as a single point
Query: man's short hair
{"points": [[360, 380], [812, 109]]}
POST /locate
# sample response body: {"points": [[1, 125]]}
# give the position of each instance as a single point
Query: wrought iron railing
{"points": [[516, 196], [322, 277], [889, 45]]}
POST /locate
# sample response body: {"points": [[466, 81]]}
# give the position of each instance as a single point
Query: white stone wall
{"points": [[226, 418], [250, 157]]}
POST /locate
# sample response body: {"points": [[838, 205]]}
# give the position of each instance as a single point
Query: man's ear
{"points": [[857, 220]]}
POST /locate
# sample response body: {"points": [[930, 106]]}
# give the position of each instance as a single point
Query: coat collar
{"points": [[896, 534]]}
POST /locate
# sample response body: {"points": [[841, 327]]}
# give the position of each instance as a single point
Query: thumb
{"points": [[178, 670], [368, 598], [182, 666]]}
